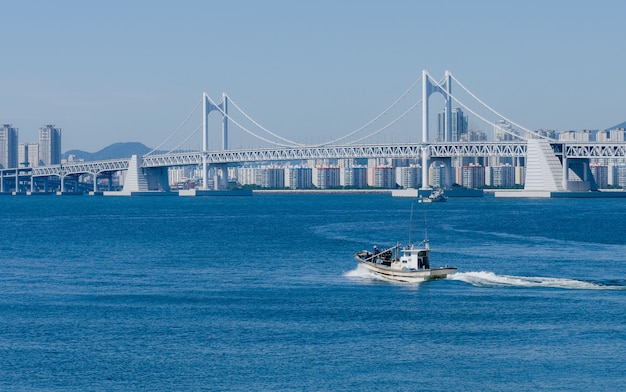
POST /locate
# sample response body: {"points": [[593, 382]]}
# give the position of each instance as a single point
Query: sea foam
{"points": [[486, 279]]}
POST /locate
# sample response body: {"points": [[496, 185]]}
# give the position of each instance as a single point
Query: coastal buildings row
{"points": [[47, 151], [493, 172], [384, 176]]}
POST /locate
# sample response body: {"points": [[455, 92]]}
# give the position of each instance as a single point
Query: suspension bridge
{"points": [[551, 165]]}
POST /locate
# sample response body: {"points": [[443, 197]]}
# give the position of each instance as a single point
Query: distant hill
{"points": [[621, 125], [114, 151]]}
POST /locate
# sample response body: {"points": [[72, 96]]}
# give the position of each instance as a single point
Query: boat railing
{"points": [[382, 252]]}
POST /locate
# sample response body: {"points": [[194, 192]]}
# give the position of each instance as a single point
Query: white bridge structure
{"points": [[550, 164]]}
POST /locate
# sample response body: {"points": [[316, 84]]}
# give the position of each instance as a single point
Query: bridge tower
{"points": [[207, 107], [428, 88]]}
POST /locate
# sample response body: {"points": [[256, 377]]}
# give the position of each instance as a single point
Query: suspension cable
{"points": [[186, 139], [375, 118], [260, 126], [330, 141], [177, 129], [473, 112], [246, 129], [495, 112], [388, 125]]}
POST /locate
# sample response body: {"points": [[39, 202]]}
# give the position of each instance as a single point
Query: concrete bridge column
{"points": [[565, 172], [425, 179]]}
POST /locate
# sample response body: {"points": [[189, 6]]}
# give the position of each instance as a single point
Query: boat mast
{"points": [[426, 232], [410, 223]]}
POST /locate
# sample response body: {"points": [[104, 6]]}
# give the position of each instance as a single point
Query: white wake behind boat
{"points": [[403, 264]]}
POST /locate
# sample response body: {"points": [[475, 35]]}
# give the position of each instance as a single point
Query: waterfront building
{"points": [[520, 175], [326, 177], [600, 174], [438, 176], [8, 147], [409, 176], [271, 177], [621, 176], [299, 178], [473, 176], [375, 162], [179, 176], [49, 145], [353, 177], [246, 175], [502, 176], [382, 177]]}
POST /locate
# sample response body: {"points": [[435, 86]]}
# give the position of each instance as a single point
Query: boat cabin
{"points": [[415, 258]]}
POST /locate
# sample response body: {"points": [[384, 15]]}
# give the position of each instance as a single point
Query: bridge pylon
{"points": [[208, 106], [429, 86]]}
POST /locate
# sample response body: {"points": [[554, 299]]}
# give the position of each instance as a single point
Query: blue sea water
{"points": [[263, 293]]}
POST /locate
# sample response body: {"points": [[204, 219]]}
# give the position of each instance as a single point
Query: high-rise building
{"points": [[8, 146], [473, 176], [409, 176], [441, 126], [503, 131], [299, 178], [353, 177], [501, 176], [326, 177], [621, 176], [438, 177], [271, 177], [49, 145], [459, 124], [600, 174], [382, 177], [28, 155]]}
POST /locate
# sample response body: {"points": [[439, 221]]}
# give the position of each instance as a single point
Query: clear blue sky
{"points": [[109, 71]]}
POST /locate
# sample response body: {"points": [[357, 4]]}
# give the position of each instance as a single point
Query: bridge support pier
{"points": [[579, 168], [139, 180], [425, 156]]}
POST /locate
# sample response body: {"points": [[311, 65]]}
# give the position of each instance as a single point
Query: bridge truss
{"points": [[397, 151]]}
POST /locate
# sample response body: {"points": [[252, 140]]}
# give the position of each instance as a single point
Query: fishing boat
{"points": [[403, 263], [435, 196]]}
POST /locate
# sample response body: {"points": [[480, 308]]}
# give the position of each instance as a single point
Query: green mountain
{"points": [[114, 151]]}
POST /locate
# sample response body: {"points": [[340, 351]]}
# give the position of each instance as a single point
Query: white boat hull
{"points": [[409, 276]]}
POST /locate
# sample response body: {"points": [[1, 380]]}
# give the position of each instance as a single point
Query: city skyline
{"points": [[307, 70]]}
